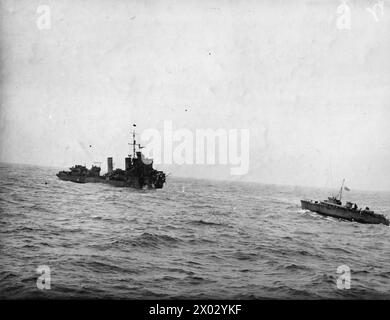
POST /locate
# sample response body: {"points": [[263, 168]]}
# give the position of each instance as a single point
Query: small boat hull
{"points": [[341, 212]]}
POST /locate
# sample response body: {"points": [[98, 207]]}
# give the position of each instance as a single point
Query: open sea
{"points": [[194, 239]]}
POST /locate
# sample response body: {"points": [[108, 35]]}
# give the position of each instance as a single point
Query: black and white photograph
{"points": [[191, 150]]}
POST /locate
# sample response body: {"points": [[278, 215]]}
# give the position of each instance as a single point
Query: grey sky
{"points": [[316, 98]]}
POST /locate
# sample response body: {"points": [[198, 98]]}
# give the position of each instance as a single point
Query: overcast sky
{"points": [[315, 98]]}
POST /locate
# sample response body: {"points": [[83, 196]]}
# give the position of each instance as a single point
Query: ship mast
{"points": [[341, 190], [135, 142]]}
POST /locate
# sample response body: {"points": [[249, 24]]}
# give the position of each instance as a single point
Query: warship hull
{"points": [[341, 212], [133, 183]]}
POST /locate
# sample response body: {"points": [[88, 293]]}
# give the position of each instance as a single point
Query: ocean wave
{"points": [[150, 240], [106, 267], [296, 267], [199, 241], [206, 223], [250, 256]]}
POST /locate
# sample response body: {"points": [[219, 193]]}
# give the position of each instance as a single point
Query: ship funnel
{"points": [[109, 165], [127, 163]]}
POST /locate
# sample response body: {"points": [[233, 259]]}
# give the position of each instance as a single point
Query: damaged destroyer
{"points": [[138, 173]]}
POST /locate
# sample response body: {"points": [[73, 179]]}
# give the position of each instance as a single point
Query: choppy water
{"points": [[192, 239]]}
